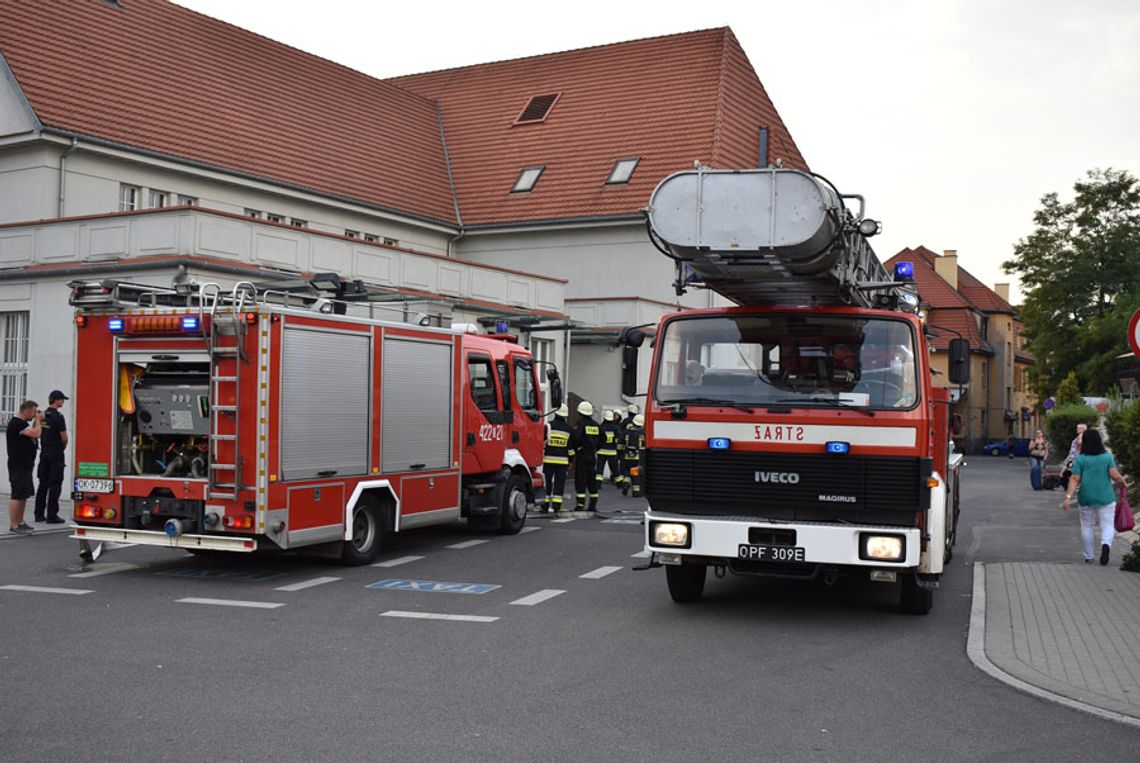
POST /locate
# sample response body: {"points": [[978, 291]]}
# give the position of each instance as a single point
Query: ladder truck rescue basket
{"points": [[769, 236]]}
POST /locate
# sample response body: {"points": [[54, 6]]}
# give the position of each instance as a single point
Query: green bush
{"points": [[1123, 425], [1061, 424]]}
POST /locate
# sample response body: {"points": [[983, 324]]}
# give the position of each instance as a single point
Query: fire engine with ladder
{"points": [[797, 433], [247, 420]]}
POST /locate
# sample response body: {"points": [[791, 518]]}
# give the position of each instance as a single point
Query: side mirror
{"points": [[555, 388], [631, 337], [959, 361]]}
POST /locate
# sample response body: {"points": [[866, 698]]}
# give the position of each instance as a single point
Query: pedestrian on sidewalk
{"points": [[1094, 472], [53, 442], [1038, 452], [23, 431]]}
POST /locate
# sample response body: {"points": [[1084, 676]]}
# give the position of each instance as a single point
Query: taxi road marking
{"points": [[231, 603], [44, 589], [601, 572], [538, 597], [306, 584], [438, 616], [397, 561]]}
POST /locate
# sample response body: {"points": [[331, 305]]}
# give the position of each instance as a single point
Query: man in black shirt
{"points": [[23, 431], [53, 442]]}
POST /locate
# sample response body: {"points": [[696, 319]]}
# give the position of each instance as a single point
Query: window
{"points": [[254, 213], [371, 237], [504, 382], [274, 218], [129, 197], [537, 108], [187, 201], [352, 233], [527, 179], [158, 199], [622, 171], [297, 222], [526, 391], [13, 362], [390, 242], [482, 383]]}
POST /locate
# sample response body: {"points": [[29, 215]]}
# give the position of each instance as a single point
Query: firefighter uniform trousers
{"points": [[608, 453], [631, 455], [584, 445], [555, 461], [625, 462]]}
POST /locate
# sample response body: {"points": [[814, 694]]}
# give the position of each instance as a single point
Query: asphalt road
{"points": [[144, 666]]}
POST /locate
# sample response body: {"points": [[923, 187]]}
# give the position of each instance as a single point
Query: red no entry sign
{"points": [[1134, 333]]}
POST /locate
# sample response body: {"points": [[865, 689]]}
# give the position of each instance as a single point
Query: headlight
{"points": [[885, 548], [674, 534]]}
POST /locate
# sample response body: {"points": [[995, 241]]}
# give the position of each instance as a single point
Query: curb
{"points": [[976, 651], [56, 530]]}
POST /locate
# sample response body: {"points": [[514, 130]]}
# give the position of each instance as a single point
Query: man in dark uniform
{"points": [[608, 449], [584, 441], [23, 431], [53, 442], [631, 455], [556, 459], [631, 412]]}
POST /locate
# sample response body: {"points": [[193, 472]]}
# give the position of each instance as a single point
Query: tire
{"points": [[515, 502], [686, 581], [914, 599], [952, 527], [367, 526], [995, 452]]}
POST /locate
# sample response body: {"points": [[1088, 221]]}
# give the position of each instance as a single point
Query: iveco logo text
{"points": [[836, 498], [788, 478]]}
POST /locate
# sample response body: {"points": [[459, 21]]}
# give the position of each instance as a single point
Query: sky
{"points": [[951, 118]]}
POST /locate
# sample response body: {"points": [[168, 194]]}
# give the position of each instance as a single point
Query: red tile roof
{"points": [[933, 289], [670, 100], [157, 77]]}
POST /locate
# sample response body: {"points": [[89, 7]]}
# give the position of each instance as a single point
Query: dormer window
{"points": [[622, 171], [526, 180], [537, 108]]}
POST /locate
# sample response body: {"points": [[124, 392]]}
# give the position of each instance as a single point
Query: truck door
{"points": [[527, 430], [486, 418]]}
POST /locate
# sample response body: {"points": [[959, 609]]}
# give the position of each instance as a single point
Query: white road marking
{"points": [[105, 569], [397, 561], [306, 584], [112, 545], [232, 603], [641, 555], [621, 521], [437, 616], [538, 597], [601, 572], [468, 543], [562, 521], [44, 589], [529, 530]]}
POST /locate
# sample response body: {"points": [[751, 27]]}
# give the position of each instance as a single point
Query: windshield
{"points": [[788, 360]]}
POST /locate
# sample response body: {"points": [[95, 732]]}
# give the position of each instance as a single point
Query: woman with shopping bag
{"points": [[1094, 472], [1038, 452]]}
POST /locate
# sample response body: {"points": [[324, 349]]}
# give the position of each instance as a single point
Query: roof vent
{"points": [[537, 108]]}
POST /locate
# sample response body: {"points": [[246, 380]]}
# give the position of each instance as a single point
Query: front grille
{"points": [[787, 486]]}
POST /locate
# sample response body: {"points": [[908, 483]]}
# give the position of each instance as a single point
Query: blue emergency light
{"points": [[719, 443], [189, 323], [838, 447], [502, 327], [115, 324], [904, 271]]}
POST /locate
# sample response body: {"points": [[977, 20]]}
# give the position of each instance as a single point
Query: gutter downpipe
{"points": [[63, 173], [450, 180]]}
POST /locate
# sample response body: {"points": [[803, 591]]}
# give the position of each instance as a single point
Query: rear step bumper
{"points": [[158, 538]]}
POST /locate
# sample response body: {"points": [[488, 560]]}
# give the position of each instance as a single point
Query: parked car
{"points": [[1001, 447]]}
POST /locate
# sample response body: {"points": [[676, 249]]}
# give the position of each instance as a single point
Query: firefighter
{"points": [[584, 442], [633, 443], [556, 459], [631, 412], [610, 447]]}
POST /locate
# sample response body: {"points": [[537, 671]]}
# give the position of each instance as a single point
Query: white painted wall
{"points": [[28, 178]]}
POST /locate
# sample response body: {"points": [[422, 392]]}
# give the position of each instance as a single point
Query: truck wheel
{"points": [[686, 581], [367, 533], [513, 516], [914, 599]]}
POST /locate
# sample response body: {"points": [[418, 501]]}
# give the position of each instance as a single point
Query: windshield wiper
{"points": [[834, 402], [708, 401]]}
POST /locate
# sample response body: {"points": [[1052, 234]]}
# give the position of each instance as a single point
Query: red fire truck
{"points": [[243, 421], [797, 433]]}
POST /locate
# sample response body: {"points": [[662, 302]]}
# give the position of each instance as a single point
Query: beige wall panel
{"points": [[15, 249]]}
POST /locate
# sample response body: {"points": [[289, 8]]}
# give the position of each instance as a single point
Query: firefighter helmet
{"points": [[562, 411], [585, 409], [633, 408], [639, 420], [608, 415]]}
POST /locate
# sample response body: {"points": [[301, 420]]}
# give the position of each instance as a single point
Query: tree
{"points": [[1068, 391], [1080, 270]]}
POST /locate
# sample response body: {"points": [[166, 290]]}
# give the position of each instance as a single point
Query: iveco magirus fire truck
{"points": [[797, 433], [243, 421]]}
